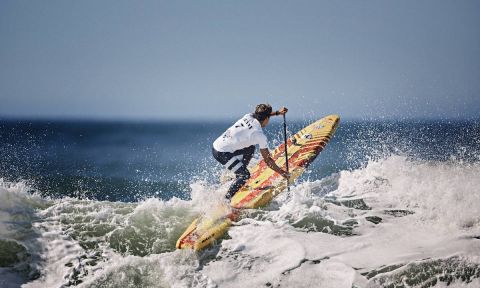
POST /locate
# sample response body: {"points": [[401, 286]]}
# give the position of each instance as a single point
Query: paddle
{"points": [[285, 139]]}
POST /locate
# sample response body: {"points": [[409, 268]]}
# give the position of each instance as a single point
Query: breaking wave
{"points": [[395, 221]]}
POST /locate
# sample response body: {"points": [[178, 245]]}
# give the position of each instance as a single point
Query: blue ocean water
{"points": [[128, 161], [102, 203]]}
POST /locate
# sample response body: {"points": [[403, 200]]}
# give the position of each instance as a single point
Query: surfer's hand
{"points": [[282, 111], [285, 175]]}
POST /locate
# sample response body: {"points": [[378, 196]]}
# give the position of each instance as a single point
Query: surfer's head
{"points": [[262, 113]]}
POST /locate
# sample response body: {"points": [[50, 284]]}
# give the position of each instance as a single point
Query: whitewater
{"points": [[395, 221]]}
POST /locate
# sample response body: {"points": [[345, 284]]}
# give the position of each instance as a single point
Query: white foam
{"points": [[205, 195], [443, 193], [446, 215], [17, 213], [326, 274], [265, 249], [172, 269]]}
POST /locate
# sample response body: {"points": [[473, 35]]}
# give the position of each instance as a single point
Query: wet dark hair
{"points": [[262, 112]]}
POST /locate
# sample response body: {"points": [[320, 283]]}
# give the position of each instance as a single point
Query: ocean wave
{"points": [[363, 227]]}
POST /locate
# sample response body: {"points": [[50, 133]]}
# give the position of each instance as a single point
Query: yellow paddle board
{"points": [[264, 183]]}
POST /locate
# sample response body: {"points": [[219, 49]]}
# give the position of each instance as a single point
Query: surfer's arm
{"points": [[270, 163]]}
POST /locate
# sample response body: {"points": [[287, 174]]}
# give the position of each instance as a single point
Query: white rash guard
{"points": [[245, 132]]}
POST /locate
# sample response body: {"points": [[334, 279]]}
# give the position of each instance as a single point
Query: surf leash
{"points": [[286, 155]]}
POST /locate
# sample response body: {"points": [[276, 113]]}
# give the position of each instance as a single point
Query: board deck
{"points": [[264, 183]]}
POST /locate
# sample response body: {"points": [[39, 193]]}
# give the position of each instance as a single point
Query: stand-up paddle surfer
{"points": [[235, 147]]}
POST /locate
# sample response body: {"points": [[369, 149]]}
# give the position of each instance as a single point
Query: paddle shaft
{"points": [[286, 150]]}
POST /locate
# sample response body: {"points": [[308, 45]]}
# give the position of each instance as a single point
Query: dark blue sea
{"points": [[128, 161], [101, 204]]}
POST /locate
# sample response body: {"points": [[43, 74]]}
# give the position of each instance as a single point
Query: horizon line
{"points": [[215, 119]]}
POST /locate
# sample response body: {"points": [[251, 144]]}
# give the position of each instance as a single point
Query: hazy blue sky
{"points": [[217, 59]]}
